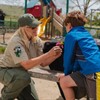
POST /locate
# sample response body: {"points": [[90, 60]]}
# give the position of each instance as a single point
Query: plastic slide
{"points": [[42, 26], [42, 19]]}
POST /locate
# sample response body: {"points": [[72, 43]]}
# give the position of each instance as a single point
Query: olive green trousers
{"points": [[16, 81]]}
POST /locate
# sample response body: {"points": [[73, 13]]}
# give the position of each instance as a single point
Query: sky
{"points": [[13, 2]]}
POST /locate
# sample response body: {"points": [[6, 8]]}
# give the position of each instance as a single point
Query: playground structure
{"points": [[42, 26], [52, 23], [57, 24]]}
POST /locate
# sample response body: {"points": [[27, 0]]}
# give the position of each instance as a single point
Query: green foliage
{"points": [[2, 49], [97, 34], [94, 30], [95, 19], [11, 24], [57, 33]]}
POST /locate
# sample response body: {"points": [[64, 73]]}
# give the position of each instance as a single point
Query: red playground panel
{"points": [[36, 11], [58, 12]]}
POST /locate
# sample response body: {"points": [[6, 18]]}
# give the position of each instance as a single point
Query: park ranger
{"points": [[23, 52]]}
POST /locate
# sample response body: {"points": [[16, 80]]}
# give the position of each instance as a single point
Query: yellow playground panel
{"points": [[42, 26], [98, 86]]}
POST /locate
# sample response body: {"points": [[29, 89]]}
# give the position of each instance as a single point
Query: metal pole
{"points": [[25, 10], [91, 18], [67, 6]]}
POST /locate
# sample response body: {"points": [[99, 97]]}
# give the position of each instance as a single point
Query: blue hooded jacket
{"points": [[81, 52]]}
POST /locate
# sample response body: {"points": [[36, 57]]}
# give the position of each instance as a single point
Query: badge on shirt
{"points": [[17, 51]]}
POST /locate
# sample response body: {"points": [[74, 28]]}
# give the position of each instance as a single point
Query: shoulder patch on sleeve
{"points": [[17, 51]]}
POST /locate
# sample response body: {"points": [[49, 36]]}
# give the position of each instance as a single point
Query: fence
{"points": [[94, 31], [7, 27], [10, 24]]}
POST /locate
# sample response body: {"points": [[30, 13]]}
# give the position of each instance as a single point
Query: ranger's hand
{"points": [[55, 51]]}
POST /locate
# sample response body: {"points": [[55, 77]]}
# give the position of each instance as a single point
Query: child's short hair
{"points": [[76, 18]]}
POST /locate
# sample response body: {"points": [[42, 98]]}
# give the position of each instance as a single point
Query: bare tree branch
{"points": [[86, 4], [73, 2], [93, 3], [79, 5]]}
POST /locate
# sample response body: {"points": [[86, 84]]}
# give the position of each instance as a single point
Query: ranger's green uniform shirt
{"points": [[16, 52]]}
